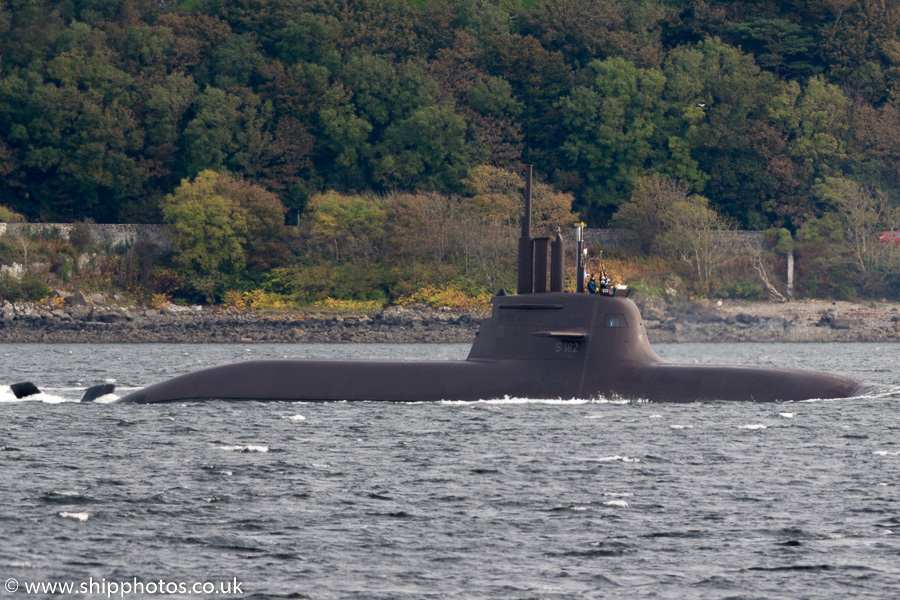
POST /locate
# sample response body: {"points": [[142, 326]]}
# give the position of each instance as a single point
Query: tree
{"points": [[865, 212], [236, 62], [644, 215], [777, 44], [860, 48], [695, 236], [497, 195], [539, 78], [263, 214], [165, 108], [10, 216], [351, 228], [487, 103], [821, 122], [311, 38], [486, 18], [611, 133], [875, 143], [228, 132], [585, 30], [426, 150], [216, 223], [208, 233]]}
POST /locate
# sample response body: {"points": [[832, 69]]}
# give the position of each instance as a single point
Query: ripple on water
{"points": [[505, 499]]}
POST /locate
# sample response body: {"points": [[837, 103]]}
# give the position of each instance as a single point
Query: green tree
{"points": [[208, 233], [585, 30], [722, 101], [487, 18], [488, 104], [10, 216], [228, 131], [218, 224], [777, 44], [351, 228], [311, 38], [165, 109], [237, 62], [344, 138], [816, 119], [427, 150], [539, 78], [860, 47], [612, 132]]}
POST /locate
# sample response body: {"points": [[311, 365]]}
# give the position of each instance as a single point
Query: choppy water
{"points": [[498, 499]]}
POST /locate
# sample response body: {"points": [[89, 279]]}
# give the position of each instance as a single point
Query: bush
{"points": [[34, 288], [9, 253], [7, 215], [166, 281], [30, 289], [11, 289], [252, 300], [448, 295], [82, 235], [349, 306]]}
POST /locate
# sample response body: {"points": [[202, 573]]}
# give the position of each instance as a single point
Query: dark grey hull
{"points": [[552, 345], [329, 381]]}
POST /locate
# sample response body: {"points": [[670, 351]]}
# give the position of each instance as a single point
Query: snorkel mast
{"points": [[532, 259]]}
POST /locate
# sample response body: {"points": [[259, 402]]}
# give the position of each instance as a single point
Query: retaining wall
{"points": [[111, 235], [117, 235]]}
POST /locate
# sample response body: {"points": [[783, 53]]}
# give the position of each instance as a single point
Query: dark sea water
{"points": [[501, 499]]}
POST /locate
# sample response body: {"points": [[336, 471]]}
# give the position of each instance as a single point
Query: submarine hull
{"points": [[552, 345], [334, 380]]}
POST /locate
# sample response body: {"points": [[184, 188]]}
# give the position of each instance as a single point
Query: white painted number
{"points": [[567, 347]]}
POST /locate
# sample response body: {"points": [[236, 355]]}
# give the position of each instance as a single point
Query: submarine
{"points": [[541, 342]]}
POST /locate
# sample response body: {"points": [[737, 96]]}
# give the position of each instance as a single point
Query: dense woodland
{"points": [[771, 115]]}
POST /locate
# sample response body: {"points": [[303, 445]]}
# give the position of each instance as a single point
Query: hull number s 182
{"points": [[567, 347]]}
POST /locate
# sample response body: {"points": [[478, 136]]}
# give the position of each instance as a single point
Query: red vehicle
{"points": [[890, 237]]}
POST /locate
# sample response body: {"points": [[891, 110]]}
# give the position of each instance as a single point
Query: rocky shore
{"points": [[80, 318]]}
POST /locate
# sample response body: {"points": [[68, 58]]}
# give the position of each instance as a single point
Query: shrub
{"points": [[234, 299], [34, 288], [82, 235], [159, 300], [7, 215], [166, 281], [447, 295], [252, 300], [349, 306], [10, 289]]}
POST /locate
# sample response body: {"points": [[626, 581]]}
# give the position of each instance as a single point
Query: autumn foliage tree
{"points": [[217, 223]]}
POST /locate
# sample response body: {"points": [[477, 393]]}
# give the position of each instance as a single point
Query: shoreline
{"points": [[699, 321]]}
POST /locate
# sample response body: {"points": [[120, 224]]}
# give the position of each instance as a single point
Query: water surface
{"points": [[504, 498]]}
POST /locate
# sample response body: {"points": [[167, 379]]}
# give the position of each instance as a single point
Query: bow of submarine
{"points": [[667, 382]]}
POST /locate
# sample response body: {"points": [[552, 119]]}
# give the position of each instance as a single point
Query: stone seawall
{"points": [[108, 235], [127, 234]]}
